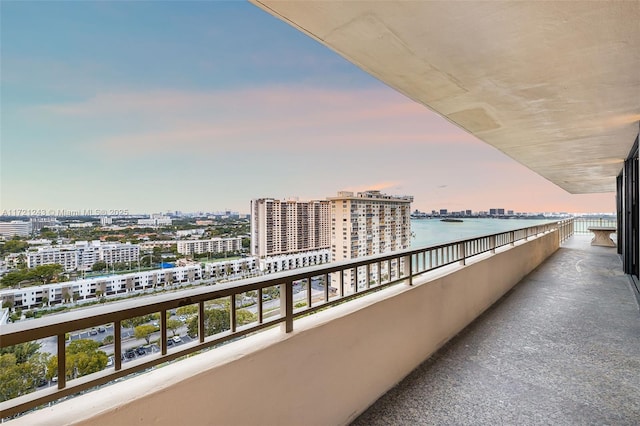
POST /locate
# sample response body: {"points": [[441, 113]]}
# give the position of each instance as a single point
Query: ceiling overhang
{"points": [[554, 85]]}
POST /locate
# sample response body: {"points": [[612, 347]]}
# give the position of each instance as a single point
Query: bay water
{"points": [[426, 232]]}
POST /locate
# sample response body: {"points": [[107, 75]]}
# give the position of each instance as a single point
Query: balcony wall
{"points": [[327, 371]]}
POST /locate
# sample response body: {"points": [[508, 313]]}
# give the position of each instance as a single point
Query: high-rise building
{"points": [[289, 226], [368, 223]]}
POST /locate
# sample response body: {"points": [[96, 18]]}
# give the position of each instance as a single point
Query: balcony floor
{"points": [[561, 348]]}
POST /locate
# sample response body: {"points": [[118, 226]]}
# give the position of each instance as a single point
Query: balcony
{"points": [[351, 353], [561, 348]]}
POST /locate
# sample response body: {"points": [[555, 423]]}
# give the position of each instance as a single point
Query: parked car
{"points": [[93, 332], [110, 361], [129, 354], [169, 342], [101, 329], [141, 351], [176, 339]]}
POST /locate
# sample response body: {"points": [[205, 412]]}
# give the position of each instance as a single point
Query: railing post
{"points": [[286, 306], [463, 253], [62, 361], [408, 268], [117, 344], [492, 243], [512, 236], [201, 330], [368, 272], [232, 314]]}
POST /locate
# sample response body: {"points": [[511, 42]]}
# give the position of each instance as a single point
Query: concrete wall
{"points": [[331, 368]]}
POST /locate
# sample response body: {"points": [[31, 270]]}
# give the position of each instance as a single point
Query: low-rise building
{"points": [[213, 245], [82, 255], [15, 228]]}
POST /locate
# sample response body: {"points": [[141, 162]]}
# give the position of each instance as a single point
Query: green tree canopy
{"points": [[144, 331], [215, 321], [14, 245], [99, 266], [174, 325], [21, 369], [82, 356], [21, 351]]}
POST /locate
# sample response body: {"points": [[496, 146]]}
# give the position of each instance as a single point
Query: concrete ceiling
{"points": [[554, 85]]}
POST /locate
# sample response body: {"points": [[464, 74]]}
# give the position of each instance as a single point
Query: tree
{"points": [[48, 234], [15, 245], [22, 351], [187, 310], [82, 358], [12, 279], [120, 266], [136, 321], [243, 317], [99, 266], [215, 321], [144, 331], [19, 378], [174, 325], [46, 273]]}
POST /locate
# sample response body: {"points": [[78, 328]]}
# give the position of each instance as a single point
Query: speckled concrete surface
{"points": [[561, 348]]}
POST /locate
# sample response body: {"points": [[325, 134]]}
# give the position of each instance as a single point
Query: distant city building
{"points": [[214, 245], [496, 212], [83, 255], [37, 223], [156, 219], [81, 225], [510, 212], [106, 221], [443, 211], [467, 212], [15, 228], [188, 232], [281, 227]]}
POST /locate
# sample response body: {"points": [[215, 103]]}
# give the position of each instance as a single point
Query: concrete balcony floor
{"points": [[561, 348]]}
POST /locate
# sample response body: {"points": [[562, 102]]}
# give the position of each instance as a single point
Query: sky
{"points": [[201, 106]]}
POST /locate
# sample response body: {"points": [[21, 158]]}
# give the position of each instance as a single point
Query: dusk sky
{"points": [[202, 106]]}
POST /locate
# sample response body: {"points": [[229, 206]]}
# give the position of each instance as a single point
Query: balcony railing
{"points": [[334, 284], [582, 224]]}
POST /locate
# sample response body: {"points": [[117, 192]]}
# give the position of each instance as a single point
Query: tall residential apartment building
{"points": [[213, 245], [280, 227], [368, 223]]}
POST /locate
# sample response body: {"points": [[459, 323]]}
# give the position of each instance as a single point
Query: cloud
{"points": [[174, 122]]}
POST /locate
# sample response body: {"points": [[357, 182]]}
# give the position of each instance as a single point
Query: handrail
{"points": [[336, 280]]}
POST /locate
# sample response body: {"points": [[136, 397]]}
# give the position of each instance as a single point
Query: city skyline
{"points": [[149, 107]]}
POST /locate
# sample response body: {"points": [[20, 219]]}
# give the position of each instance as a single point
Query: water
{"points": [[433, 231]]}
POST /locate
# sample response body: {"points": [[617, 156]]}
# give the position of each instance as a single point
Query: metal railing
{"points": [[334, 283], [582, 224]]}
